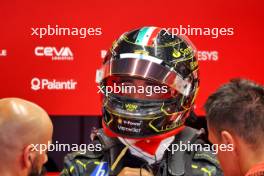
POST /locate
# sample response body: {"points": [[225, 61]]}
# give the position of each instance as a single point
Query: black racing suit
{"points": [[178, 163]]}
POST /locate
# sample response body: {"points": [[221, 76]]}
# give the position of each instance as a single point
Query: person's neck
{"points": [[254, 158], [6, 172]]}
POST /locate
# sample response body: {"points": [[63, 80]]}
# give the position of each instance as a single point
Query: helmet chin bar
{"points": [[151, 120], [143, 127], [146, 69]]}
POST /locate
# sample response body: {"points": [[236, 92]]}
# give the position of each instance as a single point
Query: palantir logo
{"points": [[52, 84], [63, 53], [3, 53], [35, 84]]}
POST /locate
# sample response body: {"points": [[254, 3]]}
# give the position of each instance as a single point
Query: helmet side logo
{"points": [[143, 52], [176, 53], [131, 107]]}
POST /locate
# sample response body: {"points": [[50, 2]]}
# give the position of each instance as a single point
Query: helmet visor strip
{"points": [[146, 69]]}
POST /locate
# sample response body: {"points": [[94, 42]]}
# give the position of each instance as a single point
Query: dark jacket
{"points": [[102, 163]]}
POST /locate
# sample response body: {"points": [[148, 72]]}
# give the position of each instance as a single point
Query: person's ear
{"points": [[28, 156], [229, 141]]}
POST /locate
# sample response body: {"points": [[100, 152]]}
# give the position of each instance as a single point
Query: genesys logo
{"points": [[3, 53], [52, 84], [201, 55], [55, 53], [207, 55]]}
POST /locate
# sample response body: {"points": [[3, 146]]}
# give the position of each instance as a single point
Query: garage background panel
{"points": [[239, 55]]}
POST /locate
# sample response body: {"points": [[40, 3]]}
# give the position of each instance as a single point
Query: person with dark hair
{"points": [[235, 117]]}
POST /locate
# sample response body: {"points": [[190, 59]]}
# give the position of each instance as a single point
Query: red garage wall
{"points": [[228, 55]]}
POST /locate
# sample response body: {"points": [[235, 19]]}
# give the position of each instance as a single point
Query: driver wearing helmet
{"points": [[150, 81]]}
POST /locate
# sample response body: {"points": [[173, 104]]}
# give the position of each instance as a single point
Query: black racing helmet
{"points": [[150, 80]]}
